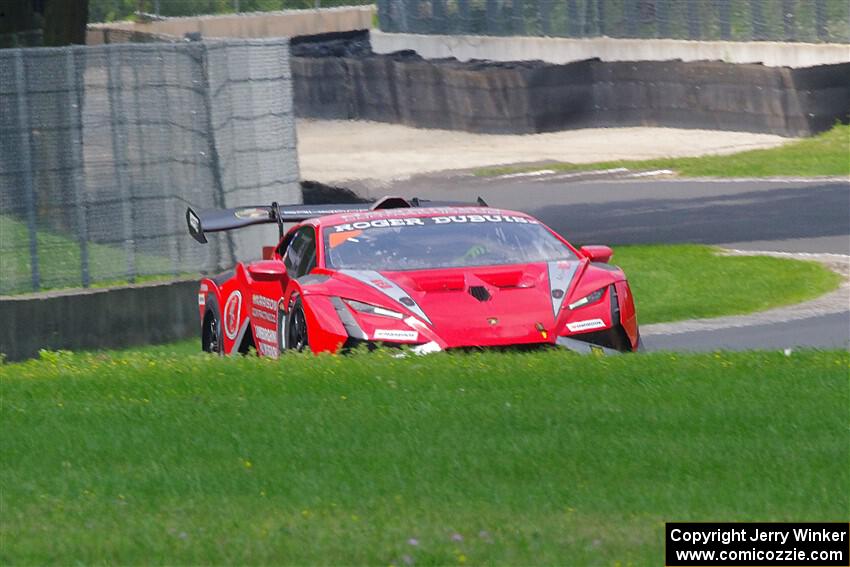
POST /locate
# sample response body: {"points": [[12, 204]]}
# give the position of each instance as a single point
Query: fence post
{"points": [[789, 20], [589, 14], [384, 15], [630, 18], [215, 161], [119, 145], [75, 102], [402, 17], [758, 22], [662, 18], [820, 19], [26, 166], [544, 14], [176, 250], [492, 17], [600, 16], [694, 27], [465, 15], [573, 19], [438, 17], [724, 15]]}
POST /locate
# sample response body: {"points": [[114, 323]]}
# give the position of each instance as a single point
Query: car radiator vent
{"points": [[479, 292]]}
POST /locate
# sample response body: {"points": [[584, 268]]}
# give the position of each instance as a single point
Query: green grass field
{"points": [[59, 261], [825, 154], [689, 281], [493, 458], [670, 282]]}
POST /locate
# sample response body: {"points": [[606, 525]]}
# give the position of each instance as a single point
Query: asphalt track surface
{"points": [[809, 216]]}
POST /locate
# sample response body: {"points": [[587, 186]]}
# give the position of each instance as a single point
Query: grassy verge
{"points": [[60, 264], [672, 283], [536, 458], [825, 154]]}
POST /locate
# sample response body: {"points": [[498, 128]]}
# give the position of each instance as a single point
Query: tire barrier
{"points": [[533, 97]]}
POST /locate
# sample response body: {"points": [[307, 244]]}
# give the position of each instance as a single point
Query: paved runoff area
{"points": [[336, 151]]}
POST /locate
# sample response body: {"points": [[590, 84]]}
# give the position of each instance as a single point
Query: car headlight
{"points": [[588, 299], [370, 309]]}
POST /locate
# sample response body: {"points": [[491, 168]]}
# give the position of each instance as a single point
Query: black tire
{"points": [[295, 329], [211, 339]]}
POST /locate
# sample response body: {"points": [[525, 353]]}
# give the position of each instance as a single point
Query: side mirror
{"points": [[597, 253], [267, 270]]}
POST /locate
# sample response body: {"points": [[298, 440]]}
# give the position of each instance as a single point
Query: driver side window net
{"points": [[300, 256]]}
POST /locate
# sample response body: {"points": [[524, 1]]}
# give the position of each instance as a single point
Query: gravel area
{"points": [[335, 151]]}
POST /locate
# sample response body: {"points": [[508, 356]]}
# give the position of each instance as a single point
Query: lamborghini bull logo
{"points": [[232, 312]]}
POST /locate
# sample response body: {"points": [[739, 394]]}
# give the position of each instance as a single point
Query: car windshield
{"points": [[418, 243]]}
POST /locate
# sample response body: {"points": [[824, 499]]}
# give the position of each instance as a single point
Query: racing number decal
{"points": [[232, 312]]}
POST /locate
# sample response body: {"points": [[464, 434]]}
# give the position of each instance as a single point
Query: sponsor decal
{"points": [[252, 213], [393, 335], [268, 350], [232, 314], [381, 284], [264, 302], [202, 299], [204, 287], [264, 315], [561, 275], [350, 216], [380, 223], [586, 325], [422, 221], [194, 222], [481, 218], [264, 334]]}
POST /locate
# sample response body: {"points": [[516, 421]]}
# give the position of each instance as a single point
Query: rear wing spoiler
{"points": [[217, 220]]}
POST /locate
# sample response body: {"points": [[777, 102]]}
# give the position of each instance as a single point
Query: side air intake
{"points": [[479, 292]]}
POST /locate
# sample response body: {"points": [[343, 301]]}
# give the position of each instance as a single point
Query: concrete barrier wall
{"points": [[566, 50], [286, 23], [117, 317], [99, 318], [529, 97]]}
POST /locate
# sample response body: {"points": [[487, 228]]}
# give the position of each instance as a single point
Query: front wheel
{"points": [[211, 340], [292, 335]]}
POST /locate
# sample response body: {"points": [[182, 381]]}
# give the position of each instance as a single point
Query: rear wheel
{"points": [[211, 340]]}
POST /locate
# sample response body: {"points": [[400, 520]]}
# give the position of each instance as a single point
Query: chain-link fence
{"points": [[733, 20], [103, 147]]}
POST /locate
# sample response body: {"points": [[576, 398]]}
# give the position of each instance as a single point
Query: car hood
{"points": [[481, 306]]}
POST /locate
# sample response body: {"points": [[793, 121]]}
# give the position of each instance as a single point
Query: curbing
{"points": [[98, 318]]}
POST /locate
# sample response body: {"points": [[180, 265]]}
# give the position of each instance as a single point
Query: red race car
{"points": [[429, 275]]}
